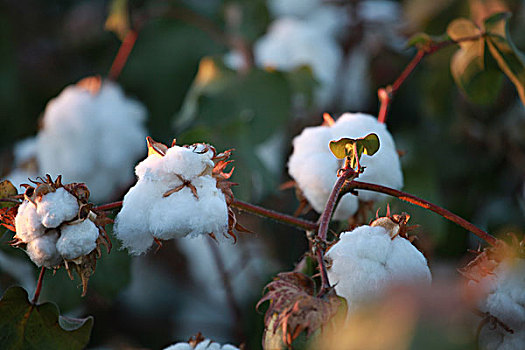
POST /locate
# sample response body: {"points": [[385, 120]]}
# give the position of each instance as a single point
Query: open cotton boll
{"points": [[505, 299], [28, 223], [56, 207], [365, 261], [43, 251], [206, 344], [92, 137], [77, 239], [291, 43], [314, 168]]}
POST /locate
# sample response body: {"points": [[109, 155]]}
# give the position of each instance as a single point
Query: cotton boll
{"points": [[28, 222], [42, 250], [206, 344], [293, 8], [78, 239], [56, 207], [367, 260], [92, 137], [25, 150], [292, 43], [314, 168]]}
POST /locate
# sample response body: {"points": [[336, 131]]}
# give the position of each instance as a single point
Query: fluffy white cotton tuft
{"points": [[206, 344], [365, 261], [43, 251], [314, 168], [148, 213], [56, 207], [291, 43], [77, 239], [505, 299], [28, 223], [92, 137]]}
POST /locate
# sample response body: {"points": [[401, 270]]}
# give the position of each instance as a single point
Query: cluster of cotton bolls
{"points": [[92, 133], [49, 226], [504, 298], [367, 260], [176, 195], [314, 167]]}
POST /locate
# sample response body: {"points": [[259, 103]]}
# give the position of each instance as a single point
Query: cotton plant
{"points": [[55, 226], [92, 133], [181, 191], [496, 279], [198, 342], [314, 168]]}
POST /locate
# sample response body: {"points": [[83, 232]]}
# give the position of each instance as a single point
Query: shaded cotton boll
{"points": [[291, 43], [293, 8], [206, 344], [505, 299], [56, 207], [365, 261], [176, 195], [28, 223], [43, 250], [314, 168], [93, 137], [78, 239]]}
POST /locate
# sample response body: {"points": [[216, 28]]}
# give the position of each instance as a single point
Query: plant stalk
{"points": [[38, 286]]}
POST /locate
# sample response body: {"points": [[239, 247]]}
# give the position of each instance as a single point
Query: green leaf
{"points": [[27, 326], [7, 189], [354, 148], [420, 40], [510, 60], [471, 66], [118, 18]]}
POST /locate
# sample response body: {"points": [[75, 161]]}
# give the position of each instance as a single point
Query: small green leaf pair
{"points": [[352, 149]]}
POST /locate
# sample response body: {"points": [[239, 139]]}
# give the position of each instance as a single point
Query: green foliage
{"points": [[7, 190], [27, 326], [474, 65], [355, 148]]}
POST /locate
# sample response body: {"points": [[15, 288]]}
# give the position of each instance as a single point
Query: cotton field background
{"points": [[112, 93]]}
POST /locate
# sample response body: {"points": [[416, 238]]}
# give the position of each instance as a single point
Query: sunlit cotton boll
{"points": [[92, 136], [291, 43], [505, 299], [365, 261], [175, 196], [314, 168], [206, 344], [77, 239]]}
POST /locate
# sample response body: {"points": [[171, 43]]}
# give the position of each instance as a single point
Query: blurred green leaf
{"points": [[510, 60], [7, 189], [27, 326], [480, 81], [118, 18], [420, 40]]}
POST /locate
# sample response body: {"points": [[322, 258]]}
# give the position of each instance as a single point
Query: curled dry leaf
{"points": [[294, 308]]}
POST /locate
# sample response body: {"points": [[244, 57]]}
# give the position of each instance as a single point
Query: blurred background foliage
{"points": [[466, 157]]}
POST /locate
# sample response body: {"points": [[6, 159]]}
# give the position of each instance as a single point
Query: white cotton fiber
{"points": [[206, 344], [28, 223], [92, 137], [56, 207], [365, 261], [43, 251], [77, 239], [148, 213], [505, 299], [314, 168]]}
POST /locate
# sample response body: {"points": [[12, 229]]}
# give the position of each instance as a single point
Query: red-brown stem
{"points": [[324, 222], [352, 185], [232, 302], [108, 206], [122, 55], [38, 286], [11, 200], [386, 94], [271, 214]]}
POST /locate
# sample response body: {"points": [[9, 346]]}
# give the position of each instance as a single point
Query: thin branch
{"points": [[353, 185], [38, 286], [277, 216], [387, 94], [324, 222], [122, 55], [108, 206], [11, 200], [230, 296]]}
